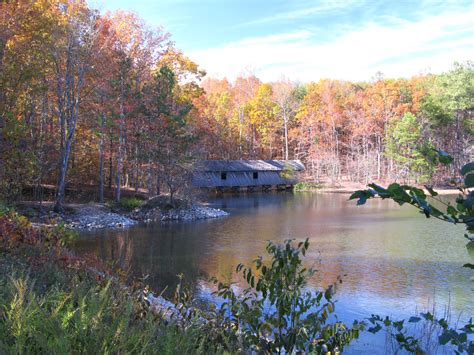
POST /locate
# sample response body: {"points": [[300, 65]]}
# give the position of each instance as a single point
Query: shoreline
{"points": [[92, 216], [336, 190], [83, 217], [351, 188]]}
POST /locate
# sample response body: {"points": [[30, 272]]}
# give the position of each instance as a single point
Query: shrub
{"points": [[308, 186], [276, 313], [130, 203], [16, 230]]}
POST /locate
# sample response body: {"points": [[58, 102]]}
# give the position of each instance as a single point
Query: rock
{"points": [[193, 213], [94, 216], [160, 210]]}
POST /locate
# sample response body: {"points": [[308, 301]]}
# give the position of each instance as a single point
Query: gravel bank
{"points": [[191, 213], [93, 216], [80, 217]]}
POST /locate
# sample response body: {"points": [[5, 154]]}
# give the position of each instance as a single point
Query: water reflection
{"points": [[394, 260]]}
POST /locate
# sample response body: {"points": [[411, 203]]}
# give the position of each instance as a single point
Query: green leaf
{"points": [[444, 338], [375, 329], [444, 157], [469, 167], [361, 195], [469, 180], [400, 338], [414, 319], [432, 192], [399, 194], [381, 191], [427, 316], [399, 325], [452, 211], [442, 322]]}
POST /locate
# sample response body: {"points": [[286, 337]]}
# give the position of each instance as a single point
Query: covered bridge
{"points": [[246, 173]]}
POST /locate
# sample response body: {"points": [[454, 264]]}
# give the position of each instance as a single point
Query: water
{"points": [[393, 260]]}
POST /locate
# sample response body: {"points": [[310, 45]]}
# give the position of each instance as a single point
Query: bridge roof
{"points": [[249, 165]]}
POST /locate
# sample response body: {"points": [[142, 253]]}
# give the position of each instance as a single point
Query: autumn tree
{"points": [[71, 56], [448, 109], [410, 148], [286, 98]]}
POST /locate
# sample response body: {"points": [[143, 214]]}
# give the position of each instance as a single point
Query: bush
{"points": [[308, 186], [276, 313], [4, 208], [130, 203], [16, 231]]}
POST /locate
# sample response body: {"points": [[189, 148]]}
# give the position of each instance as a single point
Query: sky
{"points": [[307, 40]]}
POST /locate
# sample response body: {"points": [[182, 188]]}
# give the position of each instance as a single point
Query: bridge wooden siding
{"points": [[246, 173]]}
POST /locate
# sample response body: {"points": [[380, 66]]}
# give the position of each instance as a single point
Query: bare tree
{"points": [[71, 56], [284, 97]]}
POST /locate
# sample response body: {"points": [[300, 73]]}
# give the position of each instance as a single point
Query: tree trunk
{"points": [[121, 139], [69, 111], [241, 122], [285, 120], [101, 159], [136, 167], [111, 167]]}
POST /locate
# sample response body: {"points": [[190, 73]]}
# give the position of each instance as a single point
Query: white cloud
{"points": [[306, 11], [402, 49]]}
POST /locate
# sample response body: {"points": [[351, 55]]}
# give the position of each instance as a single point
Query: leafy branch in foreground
{"points": [[276, 313], [458, 338], [461, 212]]}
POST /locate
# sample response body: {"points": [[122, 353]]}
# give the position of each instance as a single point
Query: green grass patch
{"points": [[308, 186], [130, 203], [54, 302], [4, 208]]}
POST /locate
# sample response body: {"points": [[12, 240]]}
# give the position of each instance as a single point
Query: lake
{"points": [[392, 259]]}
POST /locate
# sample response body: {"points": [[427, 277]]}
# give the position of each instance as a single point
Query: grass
{"points": [[4, 207], [56, 303], [308, 186], [130, 203], [85, 319], [78, 315]]}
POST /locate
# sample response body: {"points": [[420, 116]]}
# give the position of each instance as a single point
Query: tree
{"points": [[261, 111], [407, 146], [140, 49], [449, 110], [71, 56], [170, 111], [286, 98]]}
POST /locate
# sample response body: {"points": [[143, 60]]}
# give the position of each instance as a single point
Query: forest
{"points": [[103, 99], [103, 103]]}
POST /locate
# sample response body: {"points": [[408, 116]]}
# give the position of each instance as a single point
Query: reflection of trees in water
{"points": [[120, 252], [385, 252]]}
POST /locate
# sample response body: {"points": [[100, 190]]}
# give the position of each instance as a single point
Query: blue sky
{"points": [[307, 40]]}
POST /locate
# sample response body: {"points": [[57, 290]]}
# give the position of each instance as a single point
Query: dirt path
{"points": [[350, 187]]}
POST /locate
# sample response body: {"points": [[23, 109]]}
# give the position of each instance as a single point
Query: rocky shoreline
{"points": [[95, 216], [192, 213]]}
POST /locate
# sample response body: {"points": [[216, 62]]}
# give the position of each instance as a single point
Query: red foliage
{"points": [[16, 232]]}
